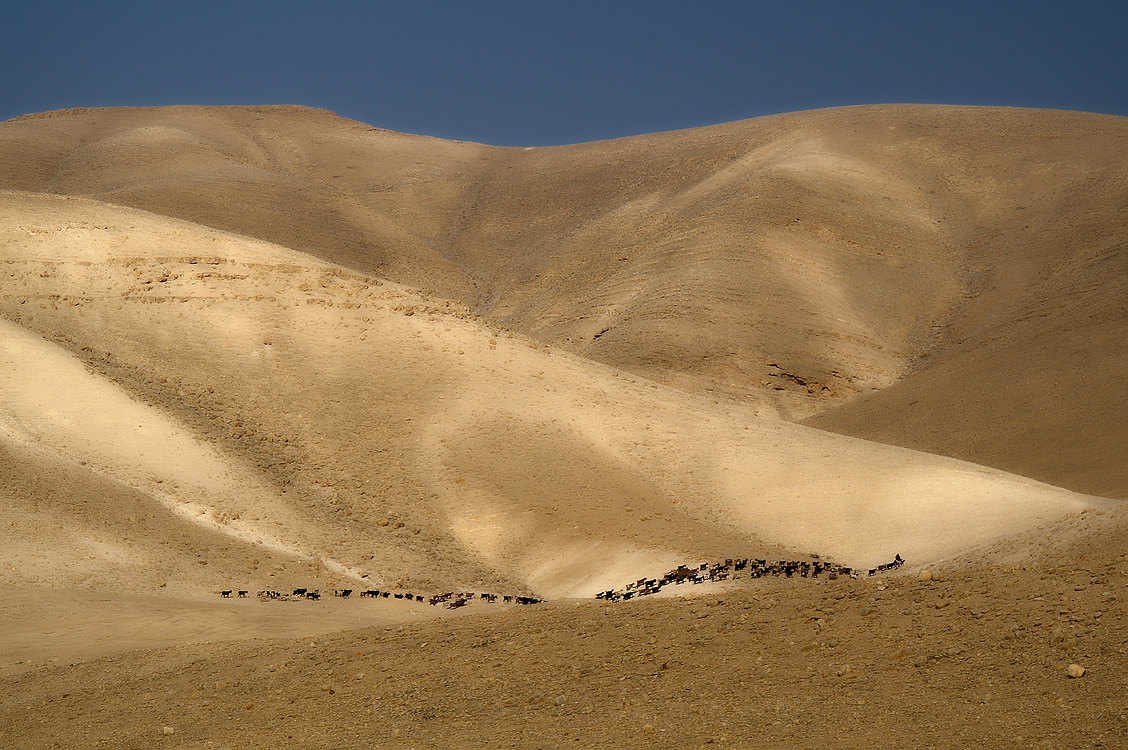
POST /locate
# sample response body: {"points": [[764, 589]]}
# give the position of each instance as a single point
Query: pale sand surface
{"points": [[426, 366], [60, 626]]}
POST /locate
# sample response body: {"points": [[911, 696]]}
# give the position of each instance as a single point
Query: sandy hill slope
{"points": [[964, 266], [249, 416]]}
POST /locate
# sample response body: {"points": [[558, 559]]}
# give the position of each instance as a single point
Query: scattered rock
{"points": [[167, 730], [1074, 671], [925, 575]]}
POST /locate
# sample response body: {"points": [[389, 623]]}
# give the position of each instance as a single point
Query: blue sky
{"points": [[538, 73]]}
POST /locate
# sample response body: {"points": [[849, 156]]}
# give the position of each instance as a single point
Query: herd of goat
{"points": [[746, 568], [728, 570], [451, 600]]}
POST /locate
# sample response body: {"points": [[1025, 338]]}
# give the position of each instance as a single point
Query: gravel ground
{"points": [[978, 658]]}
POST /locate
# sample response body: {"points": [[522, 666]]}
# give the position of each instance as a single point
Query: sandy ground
{"points": [[976, 658], [51, 626], [423, 367]]}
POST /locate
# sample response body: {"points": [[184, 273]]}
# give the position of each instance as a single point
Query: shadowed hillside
{"points": [[963, 266]]}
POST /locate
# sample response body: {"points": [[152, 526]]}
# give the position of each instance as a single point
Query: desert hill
{"points": [[299, 421], [268, 348], [848, 267]]}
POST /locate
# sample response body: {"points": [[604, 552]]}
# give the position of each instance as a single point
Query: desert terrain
{"points": [[263, 349]]}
